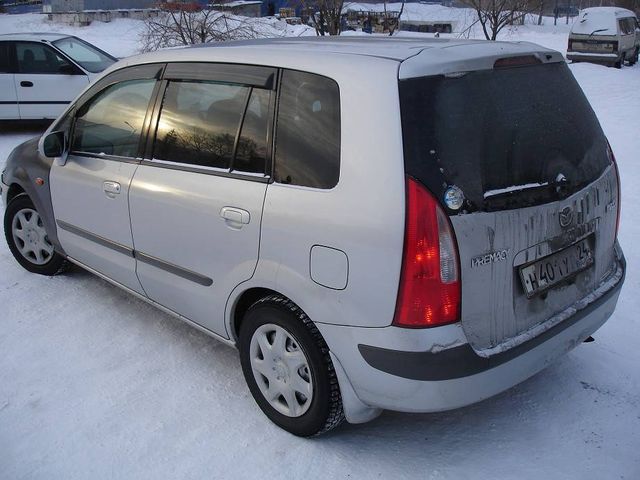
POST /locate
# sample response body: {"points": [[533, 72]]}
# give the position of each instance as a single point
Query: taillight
{"points": [[612, 159], [429, 293]]}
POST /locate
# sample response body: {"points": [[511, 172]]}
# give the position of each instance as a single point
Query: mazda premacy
{"points": [[403, 224]]}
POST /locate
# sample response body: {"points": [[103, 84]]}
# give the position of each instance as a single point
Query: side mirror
{"points": [[53, 145]]}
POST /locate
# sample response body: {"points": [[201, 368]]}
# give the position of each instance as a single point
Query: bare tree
{"points": [[188, 24], [325, 15], [494, 15], [392, 24]]}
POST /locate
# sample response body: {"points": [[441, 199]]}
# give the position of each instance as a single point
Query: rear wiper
{"points": [[559, 185], [599, 30]]}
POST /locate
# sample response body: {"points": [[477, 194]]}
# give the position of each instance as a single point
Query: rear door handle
{"points": [[235, 215], [26, 83], [111, 188]]}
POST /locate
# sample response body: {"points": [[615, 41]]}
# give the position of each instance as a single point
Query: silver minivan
{"points": [[373, 223], [607, 35]]}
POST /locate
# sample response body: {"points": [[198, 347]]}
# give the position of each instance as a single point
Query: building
{"points": [[244, 8]]}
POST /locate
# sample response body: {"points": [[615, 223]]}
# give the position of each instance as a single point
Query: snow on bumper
{"points": [[593, 57], [436, 369]]}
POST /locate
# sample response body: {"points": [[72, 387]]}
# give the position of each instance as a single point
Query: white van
{"points": [[608, 35]]}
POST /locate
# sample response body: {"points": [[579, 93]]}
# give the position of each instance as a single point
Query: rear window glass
{"points": [[4, 57], [509, 138], [308, 131], [198, 123]]}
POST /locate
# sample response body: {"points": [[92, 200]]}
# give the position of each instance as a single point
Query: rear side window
{"points": [[200, 121], [38, 58], [111, 122], [5, 63], [308, 131], [509, 137]]}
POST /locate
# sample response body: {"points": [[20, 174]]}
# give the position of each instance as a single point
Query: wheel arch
{"points": [[15, 189], [242, 303]]}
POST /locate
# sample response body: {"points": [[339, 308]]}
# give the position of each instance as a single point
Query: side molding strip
{"points": [[174, 269], [96, 238], [142, 257]]}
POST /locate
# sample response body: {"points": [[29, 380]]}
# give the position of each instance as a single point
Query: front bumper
{"points": [[4, 191], [436, 369]]}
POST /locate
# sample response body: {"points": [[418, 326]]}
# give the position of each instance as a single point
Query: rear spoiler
{"points": [[444, 59]]}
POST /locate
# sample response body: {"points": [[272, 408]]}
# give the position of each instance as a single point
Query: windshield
{"points": [[509, 137], [86, 55]]}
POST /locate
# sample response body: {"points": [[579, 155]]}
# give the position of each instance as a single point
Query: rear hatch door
{"points": [[536, 230]]}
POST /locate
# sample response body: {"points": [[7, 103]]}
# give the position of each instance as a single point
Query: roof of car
{"points": [[33, 36], [617, 11], [395, 48], [417, 56]]}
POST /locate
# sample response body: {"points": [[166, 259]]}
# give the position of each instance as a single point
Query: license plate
{"points": [[549, 271]]}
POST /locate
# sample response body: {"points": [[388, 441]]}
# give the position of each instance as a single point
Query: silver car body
{"points": [[165, 236]]}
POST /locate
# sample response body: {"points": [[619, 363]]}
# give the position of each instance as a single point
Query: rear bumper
{"points": [[606, 58], [436, 369]]}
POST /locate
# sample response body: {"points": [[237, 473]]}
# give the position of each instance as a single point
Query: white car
{"points": [[41, 73], [607, 35]]}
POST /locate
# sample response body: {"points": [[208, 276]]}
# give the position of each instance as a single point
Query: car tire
{"points": [[28, 241], [288, 369], [634, 58], [620, 61]]}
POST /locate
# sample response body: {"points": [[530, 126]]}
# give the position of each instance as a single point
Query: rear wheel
{"points": [[634, 58], [620, 61], [287, 367], [28, 240]]}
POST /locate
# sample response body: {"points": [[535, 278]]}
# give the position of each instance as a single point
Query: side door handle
{"points": [[235, 215], [26, 83], [111, 188]]}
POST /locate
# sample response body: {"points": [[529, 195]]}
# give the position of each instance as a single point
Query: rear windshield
{"points": [[508, 138], [595, 23]]}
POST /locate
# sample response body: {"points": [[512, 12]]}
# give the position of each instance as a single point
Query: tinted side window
{"points": [[251, 155], [199, 122], [111, 122], [308, 131], [5, 63], [38, 58]]}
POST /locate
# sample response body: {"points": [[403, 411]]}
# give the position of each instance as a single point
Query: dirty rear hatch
{"points": [[525, 148]]}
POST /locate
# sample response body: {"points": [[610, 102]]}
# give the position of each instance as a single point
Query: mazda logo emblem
{"points": [[566, 216]]}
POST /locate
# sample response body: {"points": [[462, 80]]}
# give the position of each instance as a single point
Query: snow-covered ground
{"points": [[96, 384]]}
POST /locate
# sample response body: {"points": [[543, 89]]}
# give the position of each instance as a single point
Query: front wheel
{"points": [[28, 240], [287, 367]]}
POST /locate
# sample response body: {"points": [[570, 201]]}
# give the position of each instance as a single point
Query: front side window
{"points": [[199, 124], [91, 59], [39, 58], [308, 131], [111, 122]]}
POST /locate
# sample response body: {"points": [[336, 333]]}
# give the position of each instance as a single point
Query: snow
{"points": [[513, 188], [97, 384]]}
